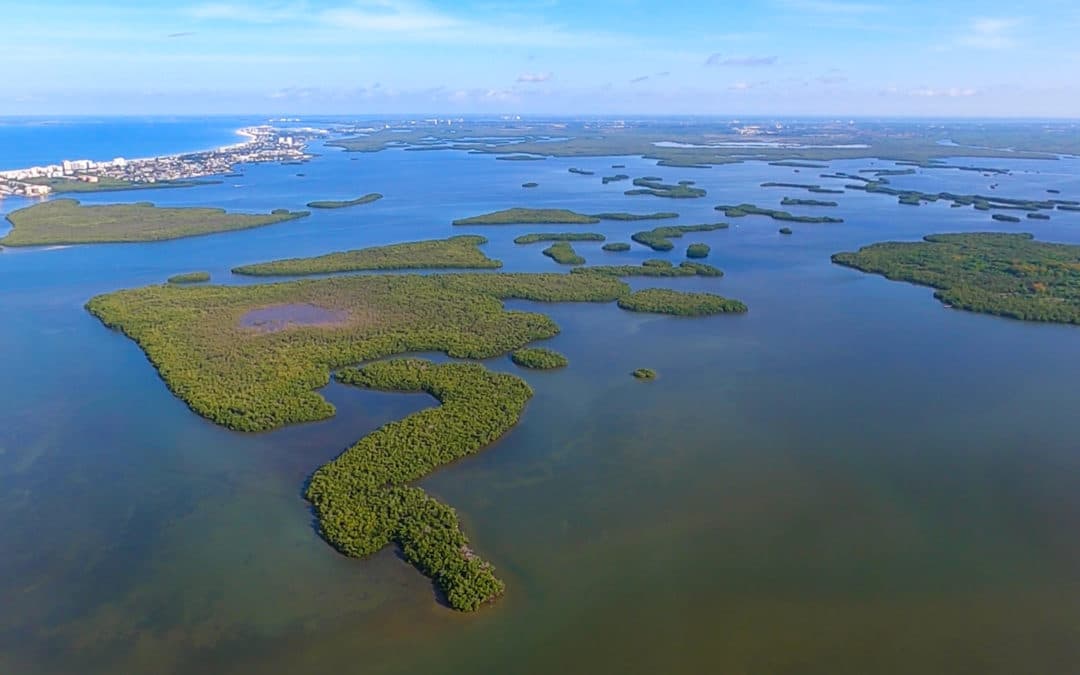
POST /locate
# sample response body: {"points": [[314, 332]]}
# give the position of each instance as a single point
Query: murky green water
{"points": [[848, 479]]}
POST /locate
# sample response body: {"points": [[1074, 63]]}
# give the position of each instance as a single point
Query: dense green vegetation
{"points": [[667, 301], [66, 221], [616, 247], [512, 158], [995, 273], [107, 184], [1005, 218], [189, 278], [253, 380], [461, 252], [750, 209], [527, 216], [811, 187], [363, 499], [1038, 216], [785, 230], [530, 185], [622, 215], [581, 172], [697, 251], [659, 238], [539, 358], [651, 185], [789, 201], [654, 268], [799, 165], [979, 202], [522, 216], [330, 204], [644, 374], [614, 179], [708, 144], [563, 253], [536, 237]]}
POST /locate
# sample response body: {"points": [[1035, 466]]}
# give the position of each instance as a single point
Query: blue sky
{"points": [[775, 57]]}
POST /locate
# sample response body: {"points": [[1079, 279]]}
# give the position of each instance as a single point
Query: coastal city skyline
{"points": [[797, 57]]}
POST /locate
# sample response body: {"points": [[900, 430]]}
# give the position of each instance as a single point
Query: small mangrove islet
{"points": [[644, 374], [697, 251], [616, 247], [563, 253], [539, 358]]}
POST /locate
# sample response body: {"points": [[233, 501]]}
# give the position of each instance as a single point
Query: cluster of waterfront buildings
{"points": [[263, 144]]}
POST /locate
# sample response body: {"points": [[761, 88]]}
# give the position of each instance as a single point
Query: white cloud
{"points": [[990, 33], [371, 21], [740, 61], [534, 77], [951, 92]]}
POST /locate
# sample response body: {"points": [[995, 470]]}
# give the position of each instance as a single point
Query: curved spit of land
{"points": [[991, 272], [331, 204], [66, 221], [189, 278], [363, 498], [460, 252], [527, 216]]}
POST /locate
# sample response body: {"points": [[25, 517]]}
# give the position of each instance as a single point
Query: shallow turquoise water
{"points": [[849, 478]]}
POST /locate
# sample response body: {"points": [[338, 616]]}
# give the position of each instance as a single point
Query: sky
{"points": [[930, 58]]}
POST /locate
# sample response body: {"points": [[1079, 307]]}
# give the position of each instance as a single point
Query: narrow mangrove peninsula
{"points": [[990, 272], [363, 499], [66, 221], [460, 252], [330, 204]]}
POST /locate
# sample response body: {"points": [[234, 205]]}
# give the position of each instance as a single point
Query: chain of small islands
{"points": [[253, 357]]}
